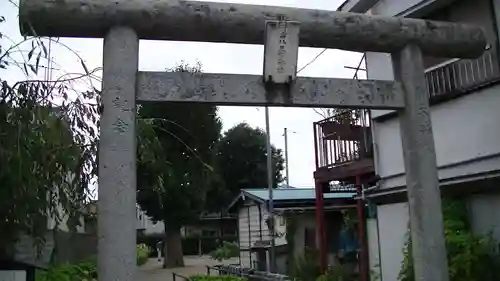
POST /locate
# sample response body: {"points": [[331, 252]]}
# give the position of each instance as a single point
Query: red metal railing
{"points": [[342, 138]]}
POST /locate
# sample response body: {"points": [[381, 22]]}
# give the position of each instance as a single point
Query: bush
{"points": [[470, 257], [306, 267], [142, 254], [85, 270], [226, 251], [340, 272], [216, 278], [189, 244]]}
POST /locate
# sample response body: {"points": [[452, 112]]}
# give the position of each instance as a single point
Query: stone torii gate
{"points": [[123, 22]]}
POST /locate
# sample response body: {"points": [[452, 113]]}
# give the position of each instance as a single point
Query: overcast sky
{"points": [[215, 58]]}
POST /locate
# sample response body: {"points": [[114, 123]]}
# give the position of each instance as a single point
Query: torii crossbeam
{"points": [[123, 22]]}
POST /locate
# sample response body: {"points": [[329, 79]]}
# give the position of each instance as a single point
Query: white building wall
{"points": [[249, 229], [13, 275], [63, 223], [405, 7], [373, 247], [393, 220], [484, 211], [145, 223], [394, 7], [63, 217], [153, 227], [457, 125], [245, 259], [308, 221], [303, 221]]}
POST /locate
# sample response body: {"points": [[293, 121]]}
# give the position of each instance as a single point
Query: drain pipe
{"points": [[375, 184], [363, 255]]}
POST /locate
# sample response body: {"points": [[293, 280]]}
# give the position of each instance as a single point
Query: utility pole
{"points": [[286, 159], [270, 188], [287, 173]]}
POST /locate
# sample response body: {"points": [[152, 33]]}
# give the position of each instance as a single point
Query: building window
{"points": [[309, 238], [209, 233], [282, 220]]}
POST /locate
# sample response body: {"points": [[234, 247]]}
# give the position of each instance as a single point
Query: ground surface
{"points": [[153, 271]]}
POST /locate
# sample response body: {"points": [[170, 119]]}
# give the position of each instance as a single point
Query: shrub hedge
{"points": [[85, 270], [143, 252], [189, 244], [216, 278]]}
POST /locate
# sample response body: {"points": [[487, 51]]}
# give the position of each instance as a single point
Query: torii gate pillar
{"points": [[424, 196], [116, 219]]}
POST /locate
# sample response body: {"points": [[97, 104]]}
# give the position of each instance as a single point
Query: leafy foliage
{"points": [[216, 278], [174, 174], [48, 141], [340, 272], [305, 267], [349, 220], [142, 254], [174, 162], [241, 158], [470, 257], [190, 244], [226, 251], [85, 270]]}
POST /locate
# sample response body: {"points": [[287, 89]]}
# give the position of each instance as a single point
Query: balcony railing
{"points": [[460, 75], [346, 136], [343, 138]]}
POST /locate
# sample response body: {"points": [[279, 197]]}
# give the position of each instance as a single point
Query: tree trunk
{"points": [[173, 247]]}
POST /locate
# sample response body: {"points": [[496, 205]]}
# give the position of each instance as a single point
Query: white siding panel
{"points": [[252, 228], [393, 227], [456, 126], [484, 211], [373, 248], [245, 259]]}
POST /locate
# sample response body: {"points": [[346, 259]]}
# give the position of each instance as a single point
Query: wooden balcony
{"points": [[344, 147]]}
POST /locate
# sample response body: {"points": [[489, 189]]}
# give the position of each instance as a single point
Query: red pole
{"points": [[320, 228], [320, 221], [363, 255], [316, 157]]}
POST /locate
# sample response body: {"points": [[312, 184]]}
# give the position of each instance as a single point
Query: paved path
{"points": [[153, 271]]}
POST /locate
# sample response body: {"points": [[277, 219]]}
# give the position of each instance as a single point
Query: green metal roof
{"points": [[285, 195], [295, 194]]}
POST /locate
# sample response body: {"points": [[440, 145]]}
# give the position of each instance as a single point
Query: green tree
{"points": [[175, 168], [242, 162], [471, 257], [48, 141]]}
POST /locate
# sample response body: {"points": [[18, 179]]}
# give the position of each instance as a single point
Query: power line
{"points": [[307, 64], [312, 61], [358, 68]]}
